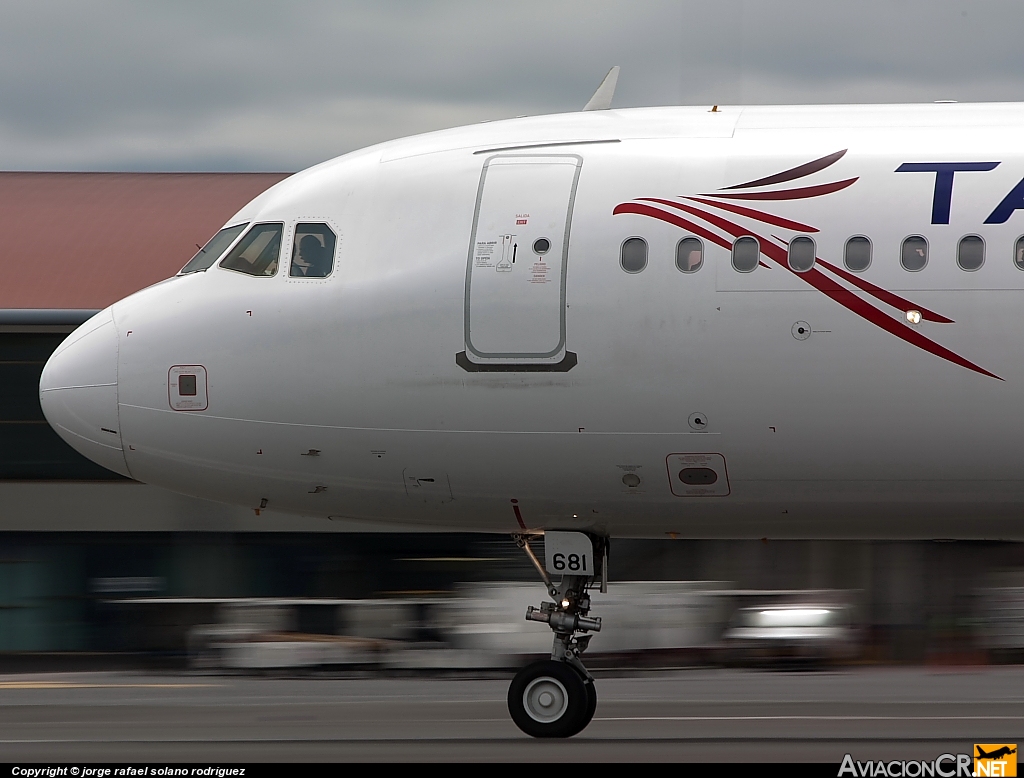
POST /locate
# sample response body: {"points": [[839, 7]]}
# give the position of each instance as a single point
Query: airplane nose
{"points": [[78, 392]]}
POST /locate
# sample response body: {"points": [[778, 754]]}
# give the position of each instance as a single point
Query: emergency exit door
{"points": [[516, 270]]}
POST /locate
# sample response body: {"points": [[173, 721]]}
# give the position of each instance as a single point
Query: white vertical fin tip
{"points": [[602, 99]]}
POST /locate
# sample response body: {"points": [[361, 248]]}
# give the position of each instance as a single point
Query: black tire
{"points": [[548, 699], [591, 708]]}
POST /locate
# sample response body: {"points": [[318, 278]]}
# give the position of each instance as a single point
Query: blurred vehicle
{"points": [[264, 634], [999, 626], [794, 631]]}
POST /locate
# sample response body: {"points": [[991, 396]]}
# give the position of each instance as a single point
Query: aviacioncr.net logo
{"points": [[995, 759], [943, 766]]}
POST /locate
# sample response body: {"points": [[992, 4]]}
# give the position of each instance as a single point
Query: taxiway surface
{"points": [[706, 715]]}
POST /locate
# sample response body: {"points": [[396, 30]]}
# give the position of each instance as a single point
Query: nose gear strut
{"points": [[556, 697]]}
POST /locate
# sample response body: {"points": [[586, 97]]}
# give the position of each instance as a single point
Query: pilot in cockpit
{"points": [[311, 259]]}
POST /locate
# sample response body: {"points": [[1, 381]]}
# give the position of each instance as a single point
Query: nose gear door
{"points": [[515, 273]]}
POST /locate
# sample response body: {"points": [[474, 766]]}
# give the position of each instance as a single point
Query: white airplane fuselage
{"points": [[431, 381]]}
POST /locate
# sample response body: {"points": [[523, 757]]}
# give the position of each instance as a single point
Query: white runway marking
{"points": [[74, 685], [809, 718]]}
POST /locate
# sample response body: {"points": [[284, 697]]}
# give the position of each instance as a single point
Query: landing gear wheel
{"points": [[588, 714], [549, 699]]}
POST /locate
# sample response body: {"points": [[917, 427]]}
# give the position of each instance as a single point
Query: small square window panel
{"points": [[186, 388]]}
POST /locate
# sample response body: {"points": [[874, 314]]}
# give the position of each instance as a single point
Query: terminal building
{"points": [[76, 539]]}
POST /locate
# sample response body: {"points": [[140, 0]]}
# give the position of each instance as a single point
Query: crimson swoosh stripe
{"points": [[800, 171], [849, 300], [731, 227], [761, 216], [819, 281], [678, 221], [884, 295], [878, 293], [862, 308], [801, 193], [671, 218]]}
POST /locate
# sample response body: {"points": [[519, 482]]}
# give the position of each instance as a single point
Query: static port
{"points": [[632, 480], [187, 385]]}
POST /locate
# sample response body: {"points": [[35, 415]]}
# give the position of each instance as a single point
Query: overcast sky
{"points": [[206, 85]]}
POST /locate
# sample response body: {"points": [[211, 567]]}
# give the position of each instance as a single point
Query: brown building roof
{"points": [[85, 240]]}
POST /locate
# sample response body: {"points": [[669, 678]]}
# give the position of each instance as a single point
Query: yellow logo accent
{"points": [[995, 759]]}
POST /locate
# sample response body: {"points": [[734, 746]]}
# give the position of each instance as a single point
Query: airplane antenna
{"points": [[602, 99]]}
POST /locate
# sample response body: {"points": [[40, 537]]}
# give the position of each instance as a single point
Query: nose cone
{"points": [[78, 392]]}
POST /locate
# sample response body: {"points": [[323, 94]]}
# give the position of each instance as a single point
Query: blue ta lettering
{"points": [[944, 171]]}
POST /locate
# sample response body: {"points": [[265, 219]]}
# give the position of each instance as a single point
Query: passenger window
{"points": [[257, 253], [211, 252], [746, 253], [313, 251], [1018, 253], [633, 255], [857, 256], [689, 255], [801, 254], [914, 253], [970, 254]]}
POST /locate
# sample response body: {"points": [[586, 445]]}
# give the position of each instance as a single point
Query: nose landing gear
{"points": [[556, 697]]}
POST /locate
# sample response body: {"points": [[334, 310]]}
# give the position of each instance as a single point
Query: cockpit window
{"points": [[313, 251], [257, 253], [211, 252]]}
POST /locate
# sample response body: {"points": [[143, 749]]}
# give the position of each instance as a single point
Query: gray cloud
{"points": [[260, 85]]}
